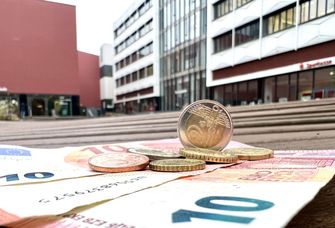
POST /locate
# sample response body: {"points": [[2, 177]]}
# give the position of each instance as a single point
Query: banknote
{"points": [[222, 198], [250, 194], [21, 165]]}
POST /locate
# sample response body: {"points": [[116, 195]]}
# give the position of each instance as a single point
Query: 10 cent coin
{"points": [[208, 155], [251, 154], [177, 165], [118, 162]]}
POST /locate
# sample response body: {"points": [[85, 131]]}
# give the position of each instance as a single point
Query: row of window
{"points": [[184, 59], [134, 37], [137, 75], [311, 84], [277, 21], [133, 17], [140, 53], [194, 85], [190, 28], [173, 10], [310, 9], [224, 7]]}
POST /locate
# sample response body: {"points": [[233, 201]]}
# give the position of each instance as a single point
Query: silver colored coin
{"points": [[205, 124]]}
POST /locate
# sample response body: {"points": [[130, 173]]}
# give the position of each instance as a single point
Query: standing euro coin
{"points": [[205, 124]]}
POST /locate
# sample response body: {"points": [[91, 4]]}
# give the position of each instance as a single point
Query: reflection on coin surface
{"points": [[154, 154], [118, 162], [177, 165], [205, 124], [208, 155], [251, 154]]}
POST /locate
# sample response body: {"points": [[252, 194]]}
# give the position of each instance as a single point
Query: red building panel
{"points": [[89, 76], [38, 47]]}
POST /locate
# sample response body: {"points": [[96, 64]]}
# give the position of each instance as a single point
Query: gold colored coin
{"points": [[154, 154], [176, 165], [205, 124], [209, 155], [251, 154]]}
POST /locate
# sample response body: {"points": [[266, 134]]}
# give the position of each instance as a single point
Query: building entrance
{"points": [[38, 107]]}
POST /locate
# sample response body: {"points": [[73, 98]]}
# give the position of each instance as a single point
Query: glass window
{"points": [[293, 87], [228, 95], [203, 85], [177, 34], [312, 9], [247, 33], [279, 21], [240, 3], [142, 73], [186, 27], [177, 9], [197, 86], [242, 93], [330, 6], [134, 56], [187, 6], [282, 88], [128, 78], [304, 8], [192, 88], [324, 82], [222, 8], [290, 20], [223, 42], [127, 60], [203, 21], [134, 76], [305, 82], [282, 20], [203, 53], [197, 24], [321, 8], [252, 90], [150, 70], [192, 4], [142, 9], [269, 89], [192, 27]]}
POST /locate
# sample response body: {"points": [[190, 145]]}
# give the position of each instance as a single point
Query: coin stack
{"points": [[204, 128]]}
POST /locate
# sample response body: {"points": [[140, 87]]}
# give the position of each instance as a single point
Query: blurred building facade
{"points": [[270, 51], [107, 83], [40, 67], [135, 59], [182, 41], [238, 52]]}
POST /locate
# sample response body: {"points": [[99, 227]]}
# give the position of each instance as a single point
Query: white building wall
{"points": [[153, 58], [106, 54], [316, 31], [107, 87]]}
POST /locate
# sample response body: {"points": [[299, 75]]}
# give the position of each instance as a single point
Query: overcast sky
{"points": [[95, 20]]}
